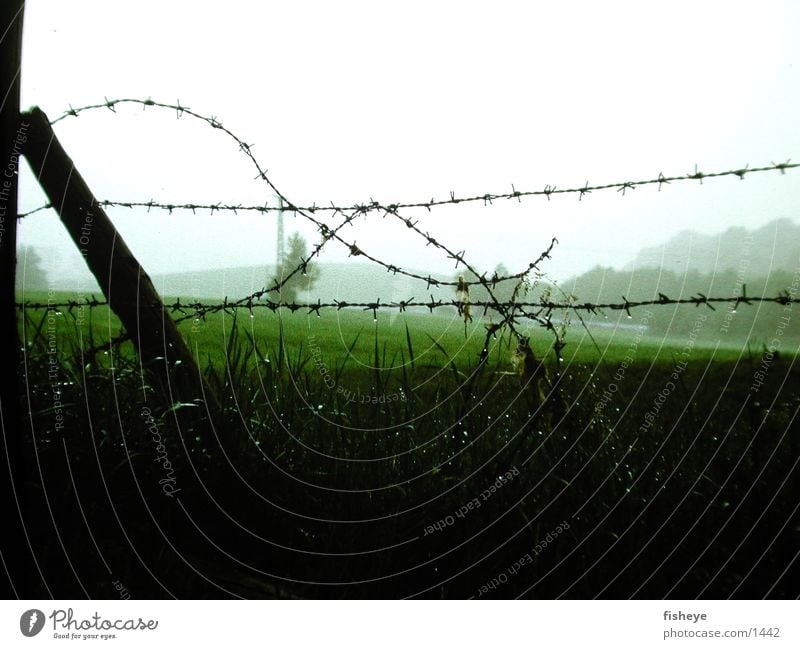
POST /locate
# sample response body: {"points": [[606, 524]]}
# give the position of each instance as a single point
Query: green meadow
{"points": [[354, 336], [343, 438]]}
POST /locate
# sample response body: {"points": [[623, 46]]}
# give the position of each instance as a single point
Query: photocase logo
{"points": [[31, 622]]}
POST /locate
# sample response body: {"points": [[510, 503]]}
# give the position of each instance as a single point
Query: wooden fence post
{"points": [[125, 284]]}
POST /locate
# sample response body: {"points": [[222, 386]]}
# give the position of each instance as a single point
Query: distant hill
{"points": [[763, 260], [775, 245]]}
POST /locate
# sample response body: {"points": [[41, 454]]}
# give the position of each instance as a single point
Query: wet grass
{"points": [[323, 483]]}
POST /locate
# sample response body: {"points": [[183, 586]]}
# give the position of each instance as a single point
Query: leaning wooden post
{"points": [[125, 284]]}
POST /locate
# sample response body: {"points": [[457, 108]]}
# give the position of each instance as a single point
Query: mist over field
{"points": [[762, 261]]}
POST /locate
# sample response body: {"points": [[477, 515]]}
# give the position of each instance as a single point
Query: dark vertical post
{"points": [[11, 12]]}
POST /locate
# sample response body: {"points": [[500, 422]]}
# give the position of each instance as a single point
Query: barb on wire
{"points": [[41, 208]]}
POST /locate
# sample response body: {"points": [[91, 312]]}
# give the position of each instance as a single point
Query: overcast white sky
{"points": [[347, 101]]}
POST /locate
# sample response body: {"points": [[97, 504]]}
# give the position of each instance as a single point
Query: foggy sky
{"points": [[350, 101]]}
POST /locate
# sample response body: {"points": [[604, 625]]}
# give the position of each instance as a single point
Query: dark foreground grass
{"points": [[378, 473]]}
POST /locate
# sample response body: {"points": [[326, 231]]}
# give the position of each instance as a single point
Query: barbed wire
{"points": [[486, 198], [354, 250], [328, 233], [41, 208], [508, 311], [363, 208], [200, 310]]}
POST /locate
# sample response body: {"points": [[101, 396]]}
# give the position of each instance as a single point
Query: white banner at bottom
{"points": [[390, 624]]}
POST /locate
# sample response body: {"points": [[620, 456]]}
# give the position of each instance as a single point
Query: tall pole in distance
{"points": [[280, 251], [280, 247]]}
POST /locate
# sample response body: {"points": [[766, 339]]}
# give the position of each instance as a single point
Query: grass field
{"points": [[354, 333], [349, 451]]}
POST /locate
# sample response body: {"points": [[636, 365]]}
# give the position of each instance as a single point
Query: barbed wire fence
{"points": [[194, 310], [487, 199], [509, 312]]}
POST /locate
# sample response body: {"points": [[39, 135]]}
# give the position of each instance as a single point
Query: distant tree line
{"points": [[755, 321]]}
